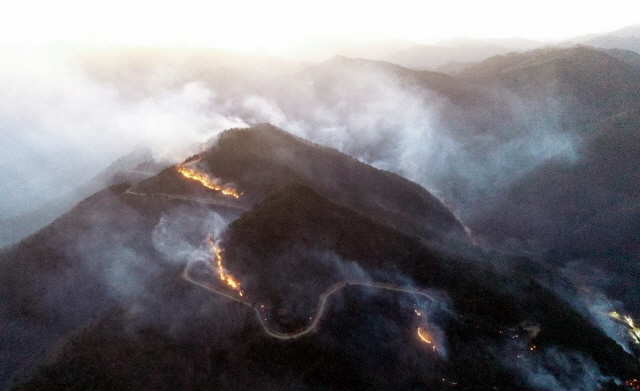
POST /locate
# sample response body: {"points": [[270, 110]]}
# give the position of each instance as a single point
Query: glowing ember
{"points": [[634, 332], [424, 336], [226, 278], [634, 384], [206, 181]]}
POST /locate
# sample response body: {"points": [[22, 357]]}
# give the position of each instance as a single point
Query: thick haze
{"points": [[66, 114], [60, 126], [278, 26], [65, 119]]}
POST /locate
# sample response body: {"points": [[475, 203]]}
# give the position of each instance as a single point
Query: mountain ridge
{"points": [[278, 250]]}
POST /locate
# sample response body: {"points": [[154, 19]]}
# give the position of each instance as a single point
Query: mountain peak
{"points": [[264, 158]]}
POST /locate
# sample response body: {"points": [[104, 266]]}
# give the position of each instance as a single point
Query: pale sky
{"points": [[271, 24]]}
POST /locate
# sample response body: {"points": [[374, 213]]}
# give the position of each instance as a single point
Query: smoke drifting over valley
{"points": [[74, 122], [347, 224]]}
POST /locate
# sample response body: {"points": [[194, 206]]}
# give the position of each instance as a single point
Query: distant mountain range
{"points": [[442, 55], [202, 275], [612, 42], [451, 55]]}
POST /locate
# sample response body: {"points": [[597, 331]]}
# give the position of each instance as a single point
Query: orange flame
{"points": [[207, 181], [632, 329], [424, 336], [224, 277], [633, 384]]}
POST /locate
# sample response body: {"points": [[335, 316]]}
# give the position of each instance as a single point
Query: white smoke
{"points": [[179, 236], [345, 270], [60, 128], [384, 119], [553, 370], [590, 300]]}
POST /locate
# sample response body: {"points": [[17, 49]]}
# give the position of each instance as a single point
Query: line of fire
{"points": [[206, 180]]}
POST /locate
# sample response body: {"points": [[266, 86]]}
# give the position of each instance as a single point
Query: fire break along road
{"points": [[319, 311]]}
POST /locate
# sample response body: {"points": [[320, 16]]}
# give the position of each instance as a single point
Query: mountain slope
{"points": [[591, 84], [362, 331], [587, 208], [133, 167], [297, 222], [264, 158], [432, 56], [113, 269], [614, 42]]}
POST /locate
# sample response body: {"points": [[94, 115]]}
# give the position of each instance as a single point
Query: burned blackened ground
{"points": [[586, 211], [113, 273], [62, 278], [477, 289], [264, 158], [366, 340]]}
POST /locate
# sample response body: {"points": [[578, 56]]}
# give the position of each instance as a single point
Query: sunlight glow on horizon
{"points": [[272, 26]]}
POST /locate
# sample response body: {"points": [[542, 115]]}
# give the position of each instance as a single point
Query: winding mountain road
{"points": [[311, 327], [262, 319]]}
